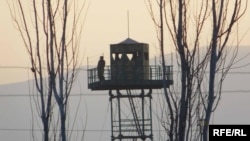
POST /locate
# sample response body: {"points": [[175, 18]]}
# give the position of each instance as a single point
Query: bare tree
{"points": [[224, 20], [51, 32], [199, 50]]}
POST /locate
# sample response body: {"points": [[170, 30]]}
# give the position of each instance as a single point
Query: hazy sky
{"points": [[106, 24]]}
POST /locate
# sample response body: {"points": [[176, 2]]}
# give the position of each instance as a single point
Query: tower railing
{"points": [[153, 73]]}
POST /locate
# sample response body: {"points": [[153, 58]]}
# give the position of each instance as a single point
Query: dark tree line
{"points": [[51, 32], [200, 32]]}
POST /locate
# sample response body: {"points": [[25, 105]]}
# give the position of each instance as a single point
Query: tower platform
{"points": [[153, 79]]}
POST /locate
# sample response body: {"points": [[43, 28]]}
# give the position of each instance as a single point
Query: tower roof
{"points": [[129, 41]]}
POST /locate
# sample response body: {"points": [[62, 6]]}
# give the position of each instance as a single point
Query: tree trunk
{"points": [[210, 94], [63, 121]]}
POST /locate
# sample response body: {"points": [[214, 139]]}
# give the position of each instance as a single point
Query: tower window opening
{"points": [[130, 56], [116, 56]]}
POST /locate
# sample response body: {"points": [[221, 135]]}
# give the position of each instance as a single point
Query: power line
{"points": [[40, 130], [52, 130], [14, 67], [82, 68], [29, 95], [29, 68], [106, 94]]}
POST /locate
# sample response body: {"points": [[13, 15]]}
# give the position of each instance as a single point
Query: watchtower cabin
{"points": [[130, 80], [129, 69]]}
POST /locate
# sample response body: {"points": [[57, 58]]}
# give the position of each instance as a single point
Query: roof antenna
{"points": [[128, 21]]}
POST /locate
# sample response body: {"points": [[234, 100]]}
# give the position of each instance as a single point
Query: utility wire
{"points": [[174, 71], [89, 94], [72, 130], [40, 130]]}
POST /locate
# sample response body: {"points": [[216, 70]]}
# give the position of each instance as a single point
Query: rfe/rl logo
{"points": [[229, 132], [226, 132]]}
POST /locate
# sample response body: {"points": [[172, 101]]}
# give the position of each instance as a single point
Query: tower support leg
{"points": [[131, 115]]}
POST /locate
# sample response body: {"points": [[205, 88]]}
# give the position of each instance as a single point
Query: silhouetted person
{"points": [[100, 68]]}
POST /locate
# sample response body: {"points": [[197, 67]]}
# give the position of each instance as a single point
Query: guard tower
{"points": [[130, 80]]}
